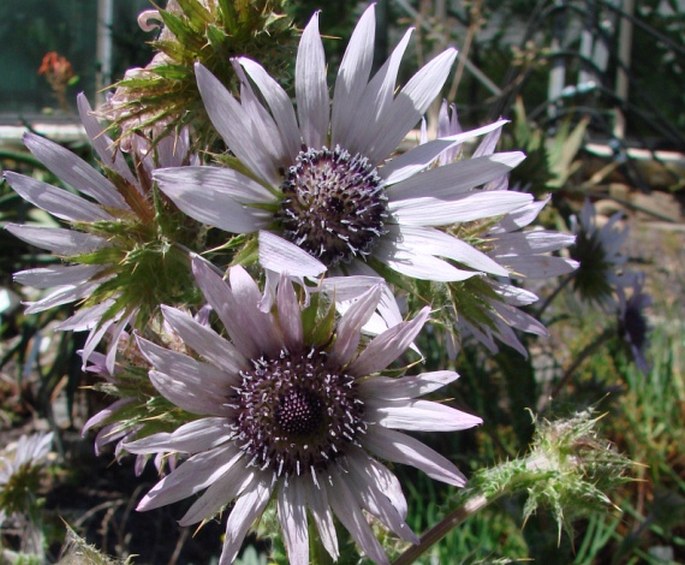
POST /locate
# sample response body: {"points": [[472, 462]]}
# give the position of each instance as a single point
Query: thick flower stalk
{"points": [[290, 408], [119, 243], [319, 185]]}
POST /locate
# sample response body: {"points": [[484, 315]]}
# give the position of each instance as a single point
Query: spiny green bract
{"points": [[569, 469], [165, 94]]}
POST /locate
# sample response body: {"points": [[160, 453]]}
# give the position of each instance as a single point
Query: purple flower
{"points": [[111, 220], [632, 321], [292, 409], [319, 184]]}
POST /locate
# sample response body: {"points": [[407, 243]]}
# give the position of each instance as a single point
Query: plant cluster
{"points": [[277, 279]]}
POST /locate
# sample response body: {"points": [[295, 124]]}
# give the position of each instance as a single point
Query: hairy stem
{"points": [[472, 505]]}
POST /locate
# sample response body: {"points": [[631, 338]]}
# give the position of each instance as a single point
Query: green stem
{"points": [[472, 505]]}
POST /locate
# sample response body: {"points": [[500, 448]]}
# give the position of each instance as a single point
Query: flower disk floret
{"points": [[293, 409]]}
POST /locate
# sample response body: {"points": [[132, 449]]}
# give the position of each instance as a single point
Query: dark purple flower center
{"points": [[296, 413], [334, 206]]}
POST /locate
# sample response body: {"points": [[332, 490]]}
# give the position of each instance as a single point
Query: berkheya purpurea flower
{"points": [[119, 244], [292, 407], [319, 188]]}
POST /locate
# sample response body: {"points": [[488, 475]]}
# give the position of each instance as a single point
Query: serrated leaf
{"points": [[228, 16], [196, 13], [183, 32], [323, 329], [217, 37]]}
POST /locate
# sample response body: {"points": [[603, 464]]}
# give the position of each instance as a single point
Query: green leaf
{"points": [[217, 37], [228, 16], [196, 13], [186, 36]]}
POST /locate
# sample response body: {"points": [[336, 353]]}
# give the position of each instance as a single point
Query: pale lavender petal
{"points": [[515, 295], [489, 143], [519, 218], [105, 414], [507, 336], [519, 319], [279, 103], [404, 388], [317, 502], [408, 164], [533, 241], [351, 323], [353, 74], [419, 265], [344, 503], [259, 325], [62, 295], [388, 346], [86, 318], [102, 144], [388, 311], [418, 415], [246, 510], [231, 313], [350, 287], [417, 240], [108, 434], [289, 315], [375, 501], [220, 206], [116, 334], [311, 87], [205, 341], [375, 101], [261, 125], [46, 277], [430, 211], [537, 266], [61, 241], [378, 474], [188, 396], [292, 515], [236, 480], [224, 182], [198, 387], [482, 334], [228, 118], [173, 150], [73, 170], [452, 181], [193, 437], [410, 104], [281, 256], [95, 336], [401, 448], [57, 201], [193, 475]]}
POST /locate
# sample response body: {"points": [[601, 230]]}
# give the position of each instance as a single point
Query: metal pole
{"points": [[103, 50], [625, 43]]}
